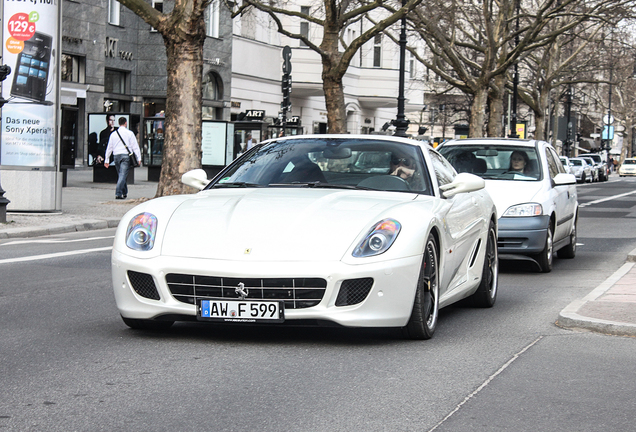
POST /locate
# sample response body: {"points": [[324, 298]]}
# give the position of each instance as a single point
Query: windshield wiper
{"points": [[237, 184], [318, 184]]}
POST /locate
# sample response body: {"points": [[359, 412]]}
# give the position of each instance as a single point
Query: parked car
{"points": [[596, 175], [600, 164], [361, 231], [536, 199], [628, 167], [565, 161], [581, 170]]}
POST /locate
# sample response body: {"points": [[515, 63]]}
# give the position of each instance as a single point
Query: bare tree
{"points": [[183, 31], [333, 17], [472, 45]]}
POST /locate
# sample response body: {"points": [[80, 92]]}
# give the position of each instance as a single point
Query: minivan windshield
{"points": [[492, 161]]}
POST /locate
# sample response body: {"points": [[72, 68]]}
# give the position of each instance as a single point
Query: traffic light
{"points": [[4, 72], [422, 130], [286, 87]]}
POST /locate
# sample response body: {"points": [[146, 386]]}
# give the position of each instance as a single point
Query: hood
{"points": [[281, 224], [506, 193]]}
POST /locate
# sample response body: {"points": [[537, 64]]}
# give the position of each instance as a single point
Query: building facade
{"points": [[112, 61]]}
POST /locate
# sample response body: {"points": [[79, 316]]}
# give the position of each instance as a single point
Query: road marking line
{"points": [[55, 241], [485, 383], [54, 255], [606, 199]]}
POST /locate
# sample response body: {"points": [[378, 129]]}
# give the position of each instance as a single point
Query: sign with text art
{"points": [[30, 37]]}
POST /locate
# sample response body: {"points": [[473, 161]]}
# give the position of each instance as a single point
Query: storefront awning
{"points": [[69, 95]]}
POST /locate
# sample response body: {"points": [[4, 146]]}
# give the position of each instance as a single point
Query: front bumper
{"points": [[522, 235], [388, 304]]}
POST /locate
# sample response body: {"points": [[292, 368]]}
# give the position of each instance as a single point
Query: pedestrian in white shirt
{"points": [[117, 143]]}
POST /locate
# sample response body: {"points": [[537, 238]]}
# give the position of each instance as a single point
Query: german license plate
{"points": [[242, 311]]}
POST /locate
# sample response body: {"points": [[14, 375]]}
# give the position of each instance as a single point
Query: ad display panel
{"points": [[30, 36]]}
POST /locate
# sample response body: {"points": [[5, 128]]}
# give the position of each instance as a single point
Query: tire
{"points": [[424, 315], [486, 294], [569, 251], [547, 254], [583, 178], [142, 324]]}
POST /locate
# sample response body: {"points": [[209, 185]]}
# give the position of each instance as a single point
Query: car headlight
{"points": [[379, 239], [521, 210], [141, 232]]}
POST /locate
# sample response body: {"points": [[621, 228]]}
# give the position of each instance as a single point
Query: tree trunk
{"points": [[478, 113], [335, 103], [495, 115], [182, 145]]}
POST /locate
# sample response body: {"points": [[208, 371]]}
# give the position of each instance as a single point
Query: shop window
{"points": [[73, 68], [114, 81], [114, 9]]}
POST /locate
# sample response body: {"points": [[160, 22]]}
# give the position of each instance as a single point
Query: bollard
{"points": [[3, 206]]}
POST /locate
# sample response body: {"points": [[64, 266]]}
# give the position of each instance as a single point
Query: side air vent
{"points": [[354, 291], [143, 284]]}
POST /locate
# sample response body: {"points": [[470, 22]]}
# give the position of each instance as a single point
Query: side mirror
{"points": [[464, 182], [197, 178], [563, 179]]}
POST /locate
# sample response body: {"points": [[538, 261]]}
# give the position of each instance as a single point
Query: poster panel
{"points": [[100, 126], [213, 143], [30, 35]]}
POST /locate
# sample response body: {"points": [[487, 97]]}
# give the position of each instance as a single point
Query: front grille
{"points": [[143, 284], [298, 293], [353, 291]]}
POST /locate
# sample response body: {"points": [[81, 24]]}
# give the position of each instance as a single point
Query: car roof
{"points": [[494, 141]]}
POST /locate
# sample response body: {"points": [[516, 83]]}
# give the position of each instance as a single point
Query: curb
{"points": [[570, 319], [83, 225]]}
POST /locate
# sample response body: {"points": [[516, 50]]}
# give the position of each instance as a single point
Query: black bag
{"points": [[131, 155], [133, 160]]}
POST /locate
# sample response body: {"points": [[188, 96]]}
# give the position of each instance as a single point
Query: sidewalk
{"points": [[85, 206], [610, 308]]}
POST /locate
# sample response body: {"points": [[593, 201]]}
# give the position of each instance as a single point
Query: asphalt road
{"points": [[67, 361]]}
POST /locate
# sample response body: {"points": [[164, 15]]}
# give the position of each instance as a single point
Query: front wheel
{"points": [[486, 294], [425, 311], [569, 251], [545, 257]]}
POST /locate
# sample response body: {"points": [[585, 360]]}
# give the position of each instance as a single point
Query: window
{"points": [[212, 19], [304, 25], [73, 68], [114, 81], [157, 4], [114, 9], [212, 89], [444, 171], [377, 50]]}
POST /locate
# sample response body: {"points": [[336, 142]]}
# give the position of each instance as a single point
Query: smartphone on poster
{"points": [[31, 71]]}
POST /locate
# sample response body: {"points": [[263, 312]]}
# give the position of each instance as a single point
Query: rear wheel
{"points": [[142, 324], [545, 257], [569, 251], [425, 311], [486, 294]]}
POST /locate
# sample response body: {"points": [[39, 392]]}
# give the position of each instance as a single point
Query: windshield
{"points": [[629, 162], [576, 162], [492, 161], [349, 163]]}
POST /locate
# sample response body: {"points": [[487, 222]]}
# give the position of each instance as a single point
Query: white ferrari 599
{"points": [[357, 231]]}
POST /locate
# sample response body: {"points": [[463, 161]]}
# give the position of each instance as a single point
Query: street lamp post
{"points": [[515, 84], [401, 123]]}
